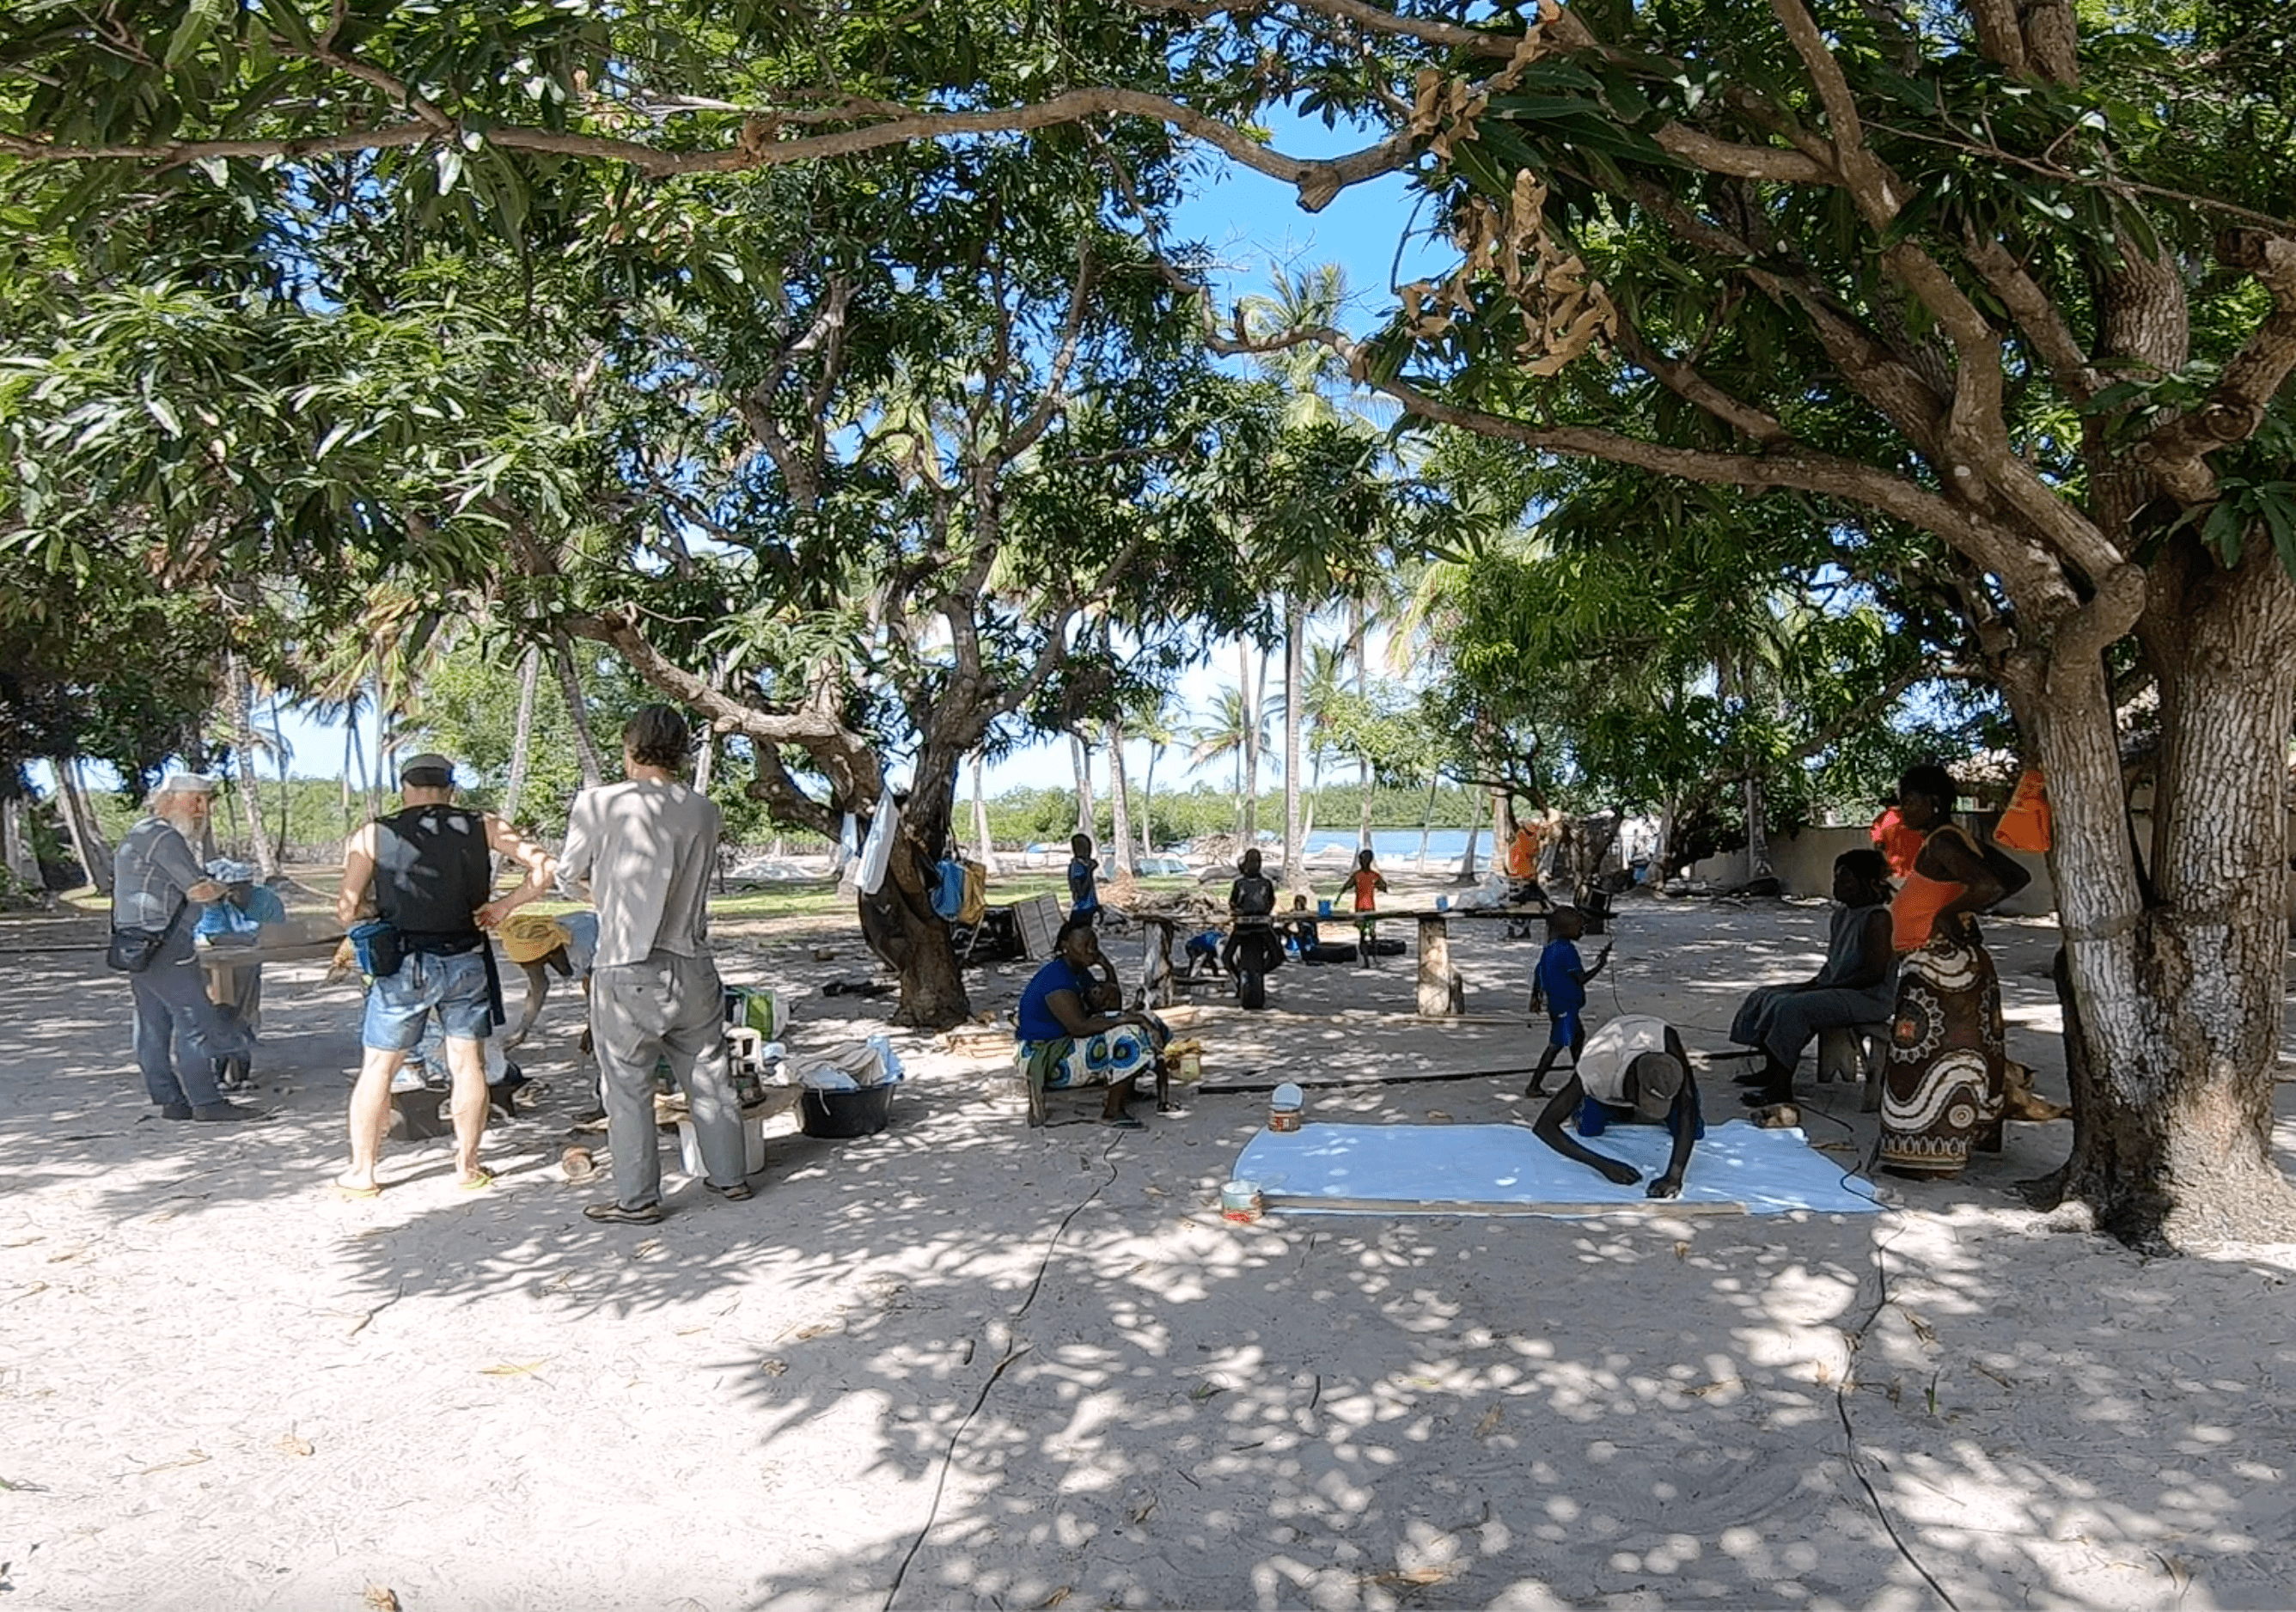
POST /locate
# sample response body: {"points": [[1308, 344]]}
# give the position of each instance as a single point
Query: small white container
{"points": [[1241, 1202], [754, 1145]]}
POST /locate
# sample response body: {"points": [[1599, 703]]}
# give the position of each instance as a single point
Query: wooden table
{"points": [[1441, 993]]}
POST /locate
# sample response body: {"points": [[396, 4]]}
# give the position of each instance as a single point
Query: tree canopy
{"points": [[644, 317]]}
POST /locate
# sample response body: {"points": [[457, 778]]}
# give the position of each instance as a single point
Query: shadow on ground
{"points": [[961, 1363]]}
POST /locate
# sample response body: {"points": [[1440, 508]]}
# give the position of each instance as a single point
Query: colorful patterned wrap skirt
{"points": [[1942, 1095], [1087, 1060]]}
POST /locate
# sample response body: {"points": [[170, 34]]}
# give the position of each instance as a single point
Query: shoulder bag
{"points": [[133, 947]]}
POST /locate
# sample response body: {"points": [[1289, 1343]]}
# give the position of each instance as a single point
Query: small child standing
{"points": [[1561, 982], [1084, 890], [1362, 883]]}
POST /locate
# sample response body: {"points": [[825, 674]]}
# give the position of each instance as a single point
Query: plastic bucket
{"points": [[1240, 1201], [842, 1114]]}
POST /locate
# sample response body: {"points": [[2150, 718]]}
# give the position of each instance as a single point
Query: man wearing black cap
{"points": [[1633, 1070], [427, 872]]}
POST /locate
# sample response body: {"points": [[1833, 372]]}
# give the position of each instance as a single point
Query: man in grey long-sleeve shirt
{"points": [[156, 881], [646, 849]]}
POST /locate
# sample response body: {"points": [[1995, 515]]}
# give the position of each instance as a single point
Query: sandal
{"points": [[478, 1183], [740, 1191], [350, 1194]]}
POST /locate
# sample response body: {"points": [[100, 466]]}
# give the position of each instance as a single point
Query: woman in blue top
{"points": [[1067, 1039]]}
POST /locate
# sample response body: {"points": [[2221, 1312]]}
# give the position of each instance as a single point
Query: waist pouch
{"points": [[379, 948]]}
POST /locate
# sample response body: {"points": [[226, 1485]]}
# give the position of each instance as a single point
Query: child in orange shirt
{"points": [[1365, 880]]}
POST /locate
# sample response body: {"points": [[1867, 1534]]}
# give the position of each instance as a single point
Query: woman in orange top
{"points": [[1942, 1092]]}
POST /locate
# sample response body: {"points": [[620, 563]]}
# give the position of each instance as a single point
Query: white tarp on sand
{"points": [[1506, 1170]]}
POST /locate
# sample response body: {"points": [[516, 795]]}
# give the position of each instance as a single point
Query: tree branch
{"points": [[2042, 320], [2234, 411], [1319, 182], [1371, 18]]}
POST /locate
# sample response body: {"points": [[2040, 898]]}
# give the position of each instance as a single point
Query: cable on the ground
{"points": [[1856, 1340], [949, 1456]]}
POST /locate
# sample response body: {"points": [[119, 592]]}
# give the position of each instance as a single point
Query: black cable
{"points": [[1857, 1340], [949, 1456]]}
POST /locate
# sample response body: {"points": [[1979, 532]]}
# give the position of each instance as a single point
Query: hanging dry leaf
{"points": [[382, 1598]]}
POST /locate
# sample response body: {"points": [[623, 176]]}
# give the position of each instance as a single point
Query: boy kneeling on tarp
{"points": [[1633, 1070]]}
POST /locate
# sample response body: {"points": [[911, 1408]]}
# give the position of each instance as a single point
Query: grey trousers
{"points": [[674, 1007], [1783, 1022]]}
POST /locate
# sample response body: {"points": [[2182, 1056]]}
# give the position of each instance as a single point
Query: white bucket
{"points": [[754, 1145]]}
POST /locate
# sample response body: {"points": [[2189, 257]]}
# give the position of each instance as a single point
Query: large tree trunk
{"points": [[1357, 632], [1148, 802], [88, 843], [1254, 690], [984, 846], [1120, 811], [16, 844], [1295, 630], [2180, 1001], [1081, 758], [522, 743], [898, 921], [577, 712], [1427, 822], [239, 712], [1758, 844]]}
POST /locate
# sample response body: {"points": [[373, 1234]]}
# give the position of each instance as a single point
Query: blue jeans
{"points": [[457, 986], [179, 1033]]}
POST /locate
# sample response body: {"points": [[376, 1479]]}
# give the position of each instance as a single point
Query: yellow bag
{"points": [[529, 936], [2025, 825]]}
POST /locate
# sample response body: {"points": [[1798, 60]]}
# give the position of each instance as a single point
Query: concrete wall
{"points": [[1804, 864]]}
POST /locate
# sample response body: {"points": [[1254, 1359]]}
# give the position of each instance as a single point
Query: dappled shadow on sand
{"points": [[964, 1364]]}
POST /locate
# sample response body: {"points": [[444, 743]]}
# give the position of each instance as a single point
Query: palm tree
{"points": [[1230, 732], [1325, 686], [1152, 723]]}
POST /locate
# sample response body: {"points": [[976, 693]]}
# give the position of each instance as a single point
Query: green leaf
{"points": [[202, 17]]}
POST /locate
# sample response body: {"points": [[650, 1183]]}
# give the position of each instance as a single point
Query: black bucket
{"points": [[838, 1113]]}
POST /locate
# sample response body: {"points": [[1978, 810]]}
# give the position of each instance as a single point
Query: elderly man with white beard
{"points": [[157, 882]]}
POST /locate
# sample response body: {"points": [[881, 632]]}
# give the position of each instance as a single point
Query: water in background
{"points": [[1400, 846]]}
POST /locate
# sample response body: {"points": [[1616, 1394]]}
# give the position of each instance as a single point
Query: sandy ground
{"points": [[961, 1363]]}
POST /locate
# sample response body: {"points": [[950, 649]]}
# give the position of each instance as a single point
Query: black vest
{"points": [[432, 872]]}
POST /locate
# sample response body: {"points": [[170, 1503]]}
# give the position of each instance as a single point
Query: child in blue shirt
{"points": [[1561, 982], [1084, 890]]}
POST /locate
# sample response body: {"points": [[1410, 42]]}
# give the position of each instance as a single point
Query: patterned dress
{"points": [[1942, 1090]]}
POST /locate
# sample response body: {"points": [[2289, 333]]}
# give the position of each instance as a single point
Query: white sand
{"points": [[221, 1387]]}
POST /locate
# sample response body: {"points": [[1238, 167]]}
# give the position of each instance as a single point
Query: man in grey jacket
{"points": [[646, 849], [157, 884]]}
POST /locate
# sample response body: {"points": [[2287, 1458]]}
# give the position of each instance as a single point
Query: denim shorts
{"points": [[455, 986]]}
